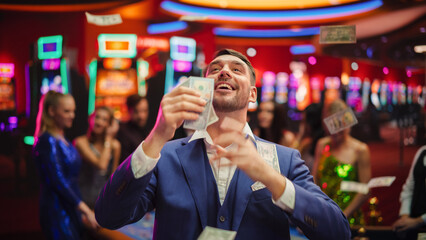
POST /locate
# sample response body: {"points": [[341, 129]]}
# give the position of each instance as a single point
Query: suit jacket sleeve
{"points": [[125, 199], [315, 213]]}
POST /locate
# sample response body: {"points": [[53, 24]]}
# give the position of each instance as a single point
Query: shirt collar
{"points": [[203, 134]]}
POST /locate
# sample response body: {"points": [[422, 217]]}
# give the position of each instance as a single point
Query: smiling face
{"points": [[63, 113], [100, 121], [232, 88]]}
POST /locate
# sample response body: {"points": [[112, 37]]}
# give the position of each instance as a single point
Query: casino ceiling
{"points": [[386, 30]]}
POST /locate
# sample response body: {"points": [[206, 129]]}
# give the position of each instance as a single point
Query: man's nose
{"points": [[224, 72]]}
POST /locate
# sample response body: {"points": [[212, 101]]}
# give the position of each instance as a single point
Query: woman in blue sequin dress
{"points": [[62, 213]]}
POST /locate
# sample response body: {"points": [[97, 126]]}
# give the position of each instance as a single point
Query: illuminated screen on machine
{"points": [[116, 82], [7, 94], [49, 47]]}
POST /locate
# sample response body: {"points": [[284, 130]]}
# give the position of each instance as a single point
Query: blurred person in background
{"points": [[272, 124], [62, 211], [100, 152], [310, 131], [413, 199], [340, 157], [132, 132]]}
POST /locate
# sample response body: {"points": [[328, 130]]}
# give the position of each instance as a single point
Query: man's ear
{"points": [[253, 94]]}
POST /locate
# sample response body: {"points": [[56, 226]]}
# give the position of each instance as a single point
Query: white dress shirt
{"points": [[142, 164]]}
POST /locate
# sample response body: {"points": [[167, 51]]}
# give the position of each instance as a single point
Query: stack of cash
{"points": [[205, 86]]}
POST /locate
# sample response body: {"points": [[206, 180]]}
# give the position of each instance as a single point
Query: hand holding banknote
{"points": [[182, 103]]}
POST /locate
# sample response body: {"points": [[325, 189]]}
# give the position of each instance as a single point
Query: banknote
{"points": [[381, 182], [205, 87], [104, 20], [351, 186], [211, 233], [337, 34], [340, 120], [268, 152]]}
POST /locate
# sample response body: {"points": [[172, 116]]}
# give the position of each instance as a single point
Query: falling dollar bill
{"points": [[211, 233], [381, 182], [340, 120], [337, 34], [205, 87], [268, 152], [104, 20], [350, 186]]}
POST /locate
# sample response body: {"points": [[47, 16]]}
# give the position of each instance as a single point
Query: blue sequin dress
{"points": [[59, 165]]}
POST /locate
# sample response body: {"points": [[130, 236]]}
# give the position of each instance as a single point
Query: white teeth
{"points": [[221, 86]]}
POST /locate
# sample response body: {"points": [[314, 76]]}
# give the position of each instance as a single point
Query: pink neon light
{"points": [[312, 60], [7, 70], [386, 70], [268, 78], [182, 66], [38, 119]]}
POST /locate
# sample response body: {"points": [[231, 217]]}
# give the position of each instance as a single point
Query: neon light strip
{"points": [[92, 91], [302, 49], [265, 33], [167, 27], [169, 77], [302, 15], [142, 71], [64, 76], [266, 4]]}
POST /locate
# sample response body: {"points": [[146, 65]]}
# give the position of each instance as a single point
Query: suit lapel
{"points": [[193, 163]]}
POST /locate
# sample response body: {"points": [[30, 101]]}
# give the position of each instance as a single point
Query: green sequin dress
{"points": [[330, 174]]}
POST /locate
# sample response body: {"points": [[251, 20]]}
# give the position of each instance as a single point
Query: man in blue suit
{"points": [[218, 177]]}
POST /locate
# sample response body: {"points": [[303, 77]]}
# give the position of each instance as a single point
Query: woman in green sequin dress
{"points": [[340, 157]]}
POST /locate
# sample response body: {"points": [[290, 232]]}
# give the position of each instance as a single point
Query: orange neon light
{"points": [[117, 45], [266, 4]]}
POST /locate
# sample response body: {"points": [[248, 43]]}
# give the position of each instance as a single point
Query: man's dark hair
{"points": [[133, 100], [243, 58]]}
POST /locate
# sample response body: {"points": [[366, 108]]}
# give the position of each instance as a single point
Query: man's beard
{"points": [[237, 102]]}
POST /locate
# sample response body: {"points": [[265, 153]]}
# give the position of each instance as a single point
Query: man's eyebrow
{"points": [[235, 62], [215, 62]]}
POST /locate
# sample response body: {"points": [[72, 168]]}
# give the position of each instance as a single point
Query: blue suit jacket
{"points": [[180, 189]]}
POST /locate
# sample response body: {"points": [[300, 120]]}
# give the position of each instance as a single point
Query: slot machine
{"points": [[116, 74], [268, 86], [331, 89], [48, 70], [365, 93], [353, 97], [383, 95], [8, 118], [316, 90], [281, 89], [181, 62]]}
